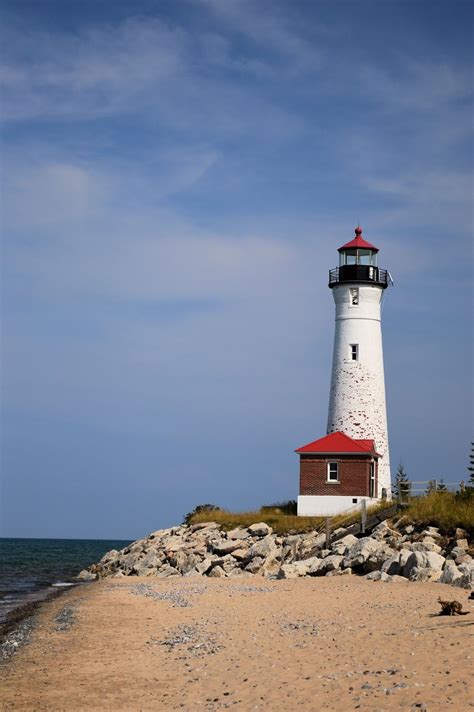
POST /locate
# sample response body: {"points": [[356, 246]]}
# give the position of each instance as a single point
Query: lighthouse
{"points": [[351, 463]]}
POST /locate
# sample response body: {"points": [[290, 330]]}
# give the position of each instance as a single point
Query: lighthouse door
{"points": [[372, 480]]}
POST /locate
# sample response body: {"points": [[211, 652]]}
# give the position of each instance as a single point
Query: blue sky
{"points": [[176, 179]]}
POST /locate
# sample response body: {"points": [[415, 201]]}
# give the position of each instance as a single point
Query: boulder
{"points": [[217, 572], [166, 571], [426, 545], [467, 576], [226, 546], [203, 566], [263, 547], [255, 565], [292, 571], [462, 544], [428, 562], [377, 576], [330, 563], [450, 573], [241, 554], [391, 566], [259, 529], [343, 545], [364, 549], [238, 533], [85, 575]]}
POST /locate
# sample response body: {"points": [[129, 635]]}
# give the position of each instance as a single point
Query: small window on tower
{"points": [[355, 296], [333, 472], [354, 352]]}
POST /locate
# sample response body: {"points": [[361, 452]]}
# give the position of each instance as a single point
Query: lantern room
{"points": [[358, 263]]}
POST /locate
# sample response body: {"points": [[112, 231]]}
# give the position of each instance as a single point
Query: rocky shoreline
{"points": [[393, 550]]}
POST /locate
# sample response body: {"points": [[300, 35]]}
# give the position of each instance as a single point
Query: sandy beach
{"points": [[335, 643]]}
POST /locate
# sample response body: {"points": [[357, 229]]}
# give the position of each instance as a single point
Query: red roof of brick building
{"points": [[339, 443]]}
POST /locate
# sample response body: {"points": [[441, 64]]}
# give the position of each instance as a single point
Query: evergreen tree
{"points": [[432, 486], [471, 466], [402, 484], [442, 486]]}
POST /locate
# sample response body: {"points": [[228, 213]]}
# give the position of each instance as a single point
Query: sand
{"points": [[335, 643]]}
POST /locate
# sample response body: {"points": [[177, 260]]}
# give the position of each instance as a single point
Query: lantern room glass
{"points": [[358, 257]]}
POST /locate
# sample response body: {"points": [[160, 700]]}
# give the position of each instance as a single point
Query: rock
{"points": [[467, 576], [343, 545], [240, 554], [184, 561], [203, 566], [457, 551], [393, 578], [292, 571], [255, 565], [166, 571], [426, 546], [238, 533], [330, 563], [366, 548], [391, 566], [403, 557], [377, 576], [430, 563], [260, 529], [450, 573], [312, 564], [459, 533], [263, 547], [383, 531], [431, 532], [462, 544], [463, 559], [409, 529], [217, 572], [203, 525], [226, 547], [85, 575]]}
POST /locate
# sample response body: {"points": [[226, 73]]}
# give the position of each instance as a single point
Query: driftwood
{"points": [[451, 608]]}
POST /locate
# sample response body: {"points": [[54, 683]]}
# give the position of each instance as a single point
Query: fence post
{"points": [[363, 520], [328, 531]]}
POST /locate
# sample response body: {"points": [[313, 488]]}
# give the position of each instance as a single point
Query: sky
{"points": [[176, 180]]}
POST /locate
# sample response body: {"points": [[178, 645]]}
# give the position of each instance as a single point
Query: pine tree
{"points": [[432, 486], [441, 486], [471, 466], [402, 484]]}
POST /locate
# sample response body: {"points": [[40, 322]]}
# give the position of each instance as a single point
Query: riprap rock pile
{"points": [[204, 549]]}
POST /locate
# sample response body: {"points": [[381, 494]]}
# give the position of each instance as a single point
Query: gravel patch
{"points": [[16, 638], [65, 619], [197, 643]]}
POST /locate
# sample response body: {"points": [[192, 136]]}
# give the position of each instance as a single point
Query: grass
{"points": [[281, 523], [442, 509]]}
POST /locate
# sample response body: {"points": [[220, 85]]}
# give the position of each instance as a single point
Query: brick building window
{"points": [[333, 472]]}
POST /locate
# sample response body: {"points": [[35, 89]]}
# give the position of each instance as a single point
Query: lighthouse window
{"points": [[354, 352], [355, 296], [333, 472]]}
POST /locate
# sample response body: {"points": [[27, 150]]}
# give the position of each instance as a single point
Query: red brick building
{"points": [[340, 470]]}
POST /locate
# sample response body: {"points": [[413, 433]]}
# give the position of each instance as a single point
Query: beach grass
{"points": [[446, 510], [280, 522]]}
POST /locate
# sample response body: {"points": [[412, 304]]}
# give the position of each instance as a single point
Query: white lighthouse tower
{"points": [[357, 396], [351, 464]]}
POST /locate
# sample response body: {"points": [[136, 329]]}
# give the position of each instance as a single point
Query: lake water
{"points": [[33, 569]]}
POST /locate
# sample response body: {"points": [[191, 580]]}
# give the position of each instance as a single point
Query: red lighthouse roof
{"points": [[339, 443], [358, 242]]}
